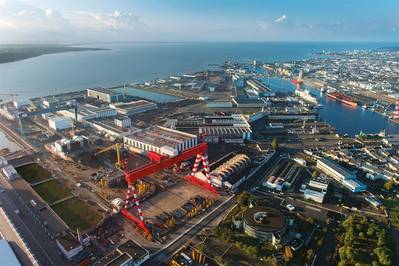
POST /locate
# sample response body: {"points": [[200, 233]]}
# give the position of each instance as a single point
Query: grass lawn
{"points": [[77, 214], [392, 206], [52, 191], [33, 173]]}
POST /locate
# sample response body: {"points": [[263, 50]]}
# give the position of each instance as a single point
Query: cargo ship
{"points": [[342, 98], [305, 95]]}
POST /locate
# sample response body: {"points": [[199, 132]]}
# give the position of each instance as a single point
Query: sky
{"points": [[85, 21]]}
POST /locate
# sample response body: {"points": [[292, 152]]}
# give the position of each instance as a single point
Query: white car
{"points": [[290, 207]]}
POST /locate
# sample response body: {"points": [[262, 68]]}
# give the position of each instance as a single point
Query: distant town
{"points": [[226, 169]]}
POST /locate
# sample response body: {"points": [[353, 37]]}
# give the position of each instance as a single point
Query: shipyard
{"points": [[230, 164]]}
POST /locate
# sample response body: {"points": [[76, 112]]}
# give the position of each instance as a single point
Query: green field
{"points": [[33, 173], [77, 214], [52, 191], [392, 206]]}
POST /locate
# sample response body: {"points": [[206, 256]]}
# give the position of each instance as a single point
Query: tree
{"points": [[274, 144], [315, 173], [349, 237], [243, 199]]}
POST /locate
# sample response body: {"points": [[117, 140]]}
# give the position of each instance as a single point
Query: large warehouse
{"points": [[105, 95], [262, 222], [134, 107], [161, 140], [232, 128]]}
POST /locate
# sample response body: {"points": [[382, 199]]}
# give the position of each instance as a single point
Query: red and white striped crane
{"points": [[200, 151]]}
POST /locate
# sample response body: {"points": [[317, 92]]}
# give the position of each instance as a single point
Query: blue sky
{"points": [[198, 20]]}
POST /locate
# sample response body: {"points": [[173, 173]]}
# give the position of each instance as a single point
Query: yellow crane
{"points": [[117, 147]]}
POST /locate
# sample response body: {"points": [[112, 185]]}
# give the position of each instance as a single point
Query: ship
{"points": [[305, 95], [342, 98]]}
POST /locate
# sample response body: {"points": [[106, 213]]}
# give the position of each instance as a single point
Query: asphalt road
{"points": [[44, 249], [7, 233]]}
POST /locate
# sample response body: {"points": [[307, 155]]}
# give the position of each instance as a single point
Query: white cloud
{"points": [[23, 22], [280, 19]]}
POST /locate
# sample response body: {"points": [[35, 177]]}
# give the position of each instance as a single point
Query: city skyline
{"points": [[41, 21]]}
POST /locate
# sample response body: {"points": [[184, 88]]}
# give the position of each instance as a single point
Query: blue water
{"points": [[345, 119], [137, 62], [153, 96]]}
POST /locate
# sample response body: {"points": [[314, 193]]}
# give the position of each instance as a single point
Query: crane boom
{"points": [[117, 147]]}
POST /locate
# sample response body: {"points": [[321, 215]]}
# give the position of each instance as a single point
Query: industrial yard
{"points": [[110, 167]]}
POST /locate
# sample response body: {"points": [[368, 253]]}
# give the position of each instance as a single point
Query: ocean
{"points": [[138, 62]]}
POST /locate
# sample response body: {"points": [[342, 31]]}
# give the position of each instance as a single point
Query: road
{"points": [[44, 249], [7, 233]]}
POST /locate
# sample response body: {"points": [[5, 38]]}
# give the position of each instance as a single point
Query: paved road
{"points": [[7, 233], [41, 245]]}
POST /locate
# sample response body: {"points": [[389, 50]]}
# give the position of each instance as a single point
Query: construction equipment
{"points": [[288, 252], [200, 151], [198, 256], [117, 147]]}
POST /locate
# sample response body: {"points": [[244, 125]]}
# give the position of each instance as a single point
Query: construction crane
{"points": [[117, 147], [12, 95]]}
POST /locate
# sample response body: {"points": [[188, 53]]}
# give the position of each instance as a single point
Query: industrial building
{"points": [[283, 175], [354, 185], [261, 88], [391, 140], [263, 222], [334, 170], [129, 253], [340, 174], [59, 122], [69, 246], [89, 112], [68, 145], [292, 116], [19, 104], [219, 104], [243, 101], [314, 194], [232, 128], [122, 121], [164, 141], [7, 255], [10, 172], [105, 95], [111, 129], [134, 107], [228, 174]]}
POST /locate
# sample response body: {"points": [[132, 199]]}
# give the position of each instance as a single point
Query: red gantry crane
{"points": [[159, 162]]}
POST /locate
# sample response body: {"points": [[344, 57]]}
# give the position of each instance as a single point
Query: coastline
{"points": [[15, 53]]}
